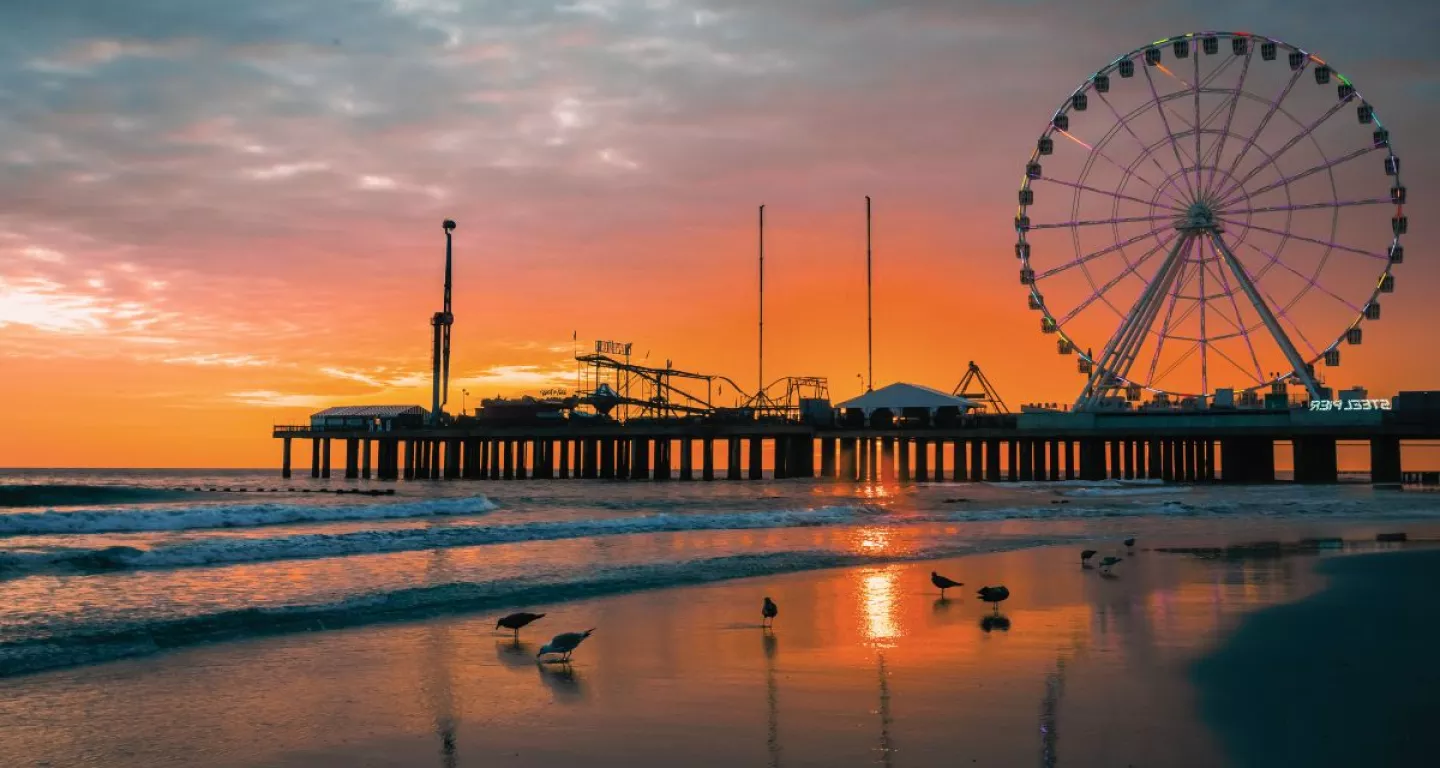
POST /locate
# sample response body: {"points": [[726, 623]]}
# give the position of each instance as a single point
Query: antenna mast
{"points": [[760, 389], [869, 312]]}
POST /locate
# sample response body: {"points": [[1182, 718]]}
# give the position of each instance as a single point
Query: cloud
{"points": [[44, 305], [265, 398], [511, 377], [221, 360], [380, 378], [285, 170]]}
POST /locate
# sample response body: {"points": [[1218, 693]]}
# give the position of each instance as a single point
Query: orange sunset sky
{"points": [[215, 217]]}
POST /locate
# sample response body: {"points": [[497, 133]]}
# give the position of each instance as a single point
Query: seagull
{"points": [[1129, 542], [994, 595], [1085, 555], [943, 583], [564, 644], [1106, 562], [517, 620], [768, 613]]}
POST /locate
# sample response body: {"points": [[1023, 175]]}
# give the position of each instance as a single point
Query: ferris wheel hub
{"points": [[1199, 218]]}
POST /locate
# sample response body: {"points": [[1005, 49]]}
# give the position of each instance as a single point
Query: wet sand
{"points": [[865, 665], [1346, 677]]}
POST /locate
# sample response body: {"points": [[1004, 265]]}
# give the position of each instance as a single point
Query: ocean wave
{"points": [[227, 551], [89, 643], [64, 495], [208, 516], [1115, 492]]}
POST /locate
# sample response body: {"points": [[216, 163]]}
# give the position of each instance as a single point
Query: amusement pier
{"points": [[1211, 233]]}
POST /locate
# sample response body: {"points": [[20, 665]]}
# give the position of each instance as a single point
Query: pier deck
{"points": [[1180, 446]]}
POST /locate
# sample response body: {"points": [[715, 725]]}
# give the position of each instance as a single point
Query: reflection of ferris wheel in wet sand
{"points": [[1223, 218]]}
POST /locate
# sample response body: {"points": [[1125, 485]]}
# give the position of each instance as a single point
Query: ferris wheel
{"points": [[1213, 210]]}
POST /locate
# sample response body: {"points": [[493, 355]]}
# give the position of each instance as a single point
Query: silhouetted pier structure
{"points": [[1232, 447]]}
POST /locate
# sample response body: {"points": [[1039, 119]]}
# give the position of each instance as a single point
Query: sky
{"points": [[216, 217]]}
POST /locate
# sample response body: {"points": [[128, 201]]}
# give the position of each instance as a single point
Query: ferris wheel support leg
{"points": [[1120, 350], [1271, 323]]}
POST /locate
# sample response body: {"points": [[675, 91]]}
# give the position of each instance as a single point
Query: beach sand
{"points": [[865, 665], [1344, 678]]}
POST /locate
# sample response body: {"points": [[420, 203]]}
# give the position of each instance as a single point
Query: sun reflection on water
{"points": [[879, 606]]}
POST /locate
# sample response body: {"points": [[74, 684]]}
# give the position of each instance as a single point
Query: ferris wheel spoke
{"points": [[1275, 259], [1303, 239], [1097, 254], [1165, 121], [1237, 366], [1285, 315], [1308, 206], [1286, 147], [1128, 171], [1199, 182], [1098, 191], [1130, 270], [1100, 222], [1239, 319], [1180, 360], [1266, 316], [1124, 122], [1291, 179], [1264, 121], [1230, 118]]}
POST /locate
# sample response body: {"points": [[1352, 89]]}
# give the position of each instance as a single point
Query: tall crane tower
{"points": [[440, 352]]}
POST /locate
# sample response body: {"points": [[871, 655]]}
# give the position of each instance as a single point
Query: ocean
{"points": [[104, 564]]}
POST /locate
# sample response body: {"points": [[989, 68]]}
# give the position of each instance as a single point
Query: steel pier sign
{"points": [[1349, 405]]}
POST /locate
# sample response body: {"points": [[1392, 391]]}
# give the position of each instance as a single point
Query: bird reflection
{"points": [[562, 681], [995, 621], [772, 730], [941, 605], [515, 654]]}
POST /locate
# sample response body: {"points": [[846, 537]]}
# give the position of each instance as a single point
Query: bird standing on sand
{"points": [[1085, 555], [943, 583], [1106, 562], [564, 644], [517, 620], [994, 595], [1129, 543], [768, 612]]}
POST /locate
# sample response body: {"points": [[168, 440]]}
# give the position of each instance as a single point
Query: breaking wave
{"points": [[226, 551], [209, 516], [57, 495]]}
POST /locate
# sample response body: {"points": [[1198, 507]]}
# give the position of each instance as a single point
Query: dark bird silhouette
{"points": [[1129, 542], [944, 583], [1105, 563], [517, 620], [994, 595], [768, 612], [564, 644], [1086, 555]]}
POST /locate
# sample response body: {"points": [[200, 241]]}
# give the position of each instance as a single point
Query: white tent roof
{"points": [[901, 395]]}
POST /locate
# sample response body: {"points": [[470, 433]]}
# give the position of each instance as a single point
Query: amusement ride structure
{"points": [[1218, 213]]}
